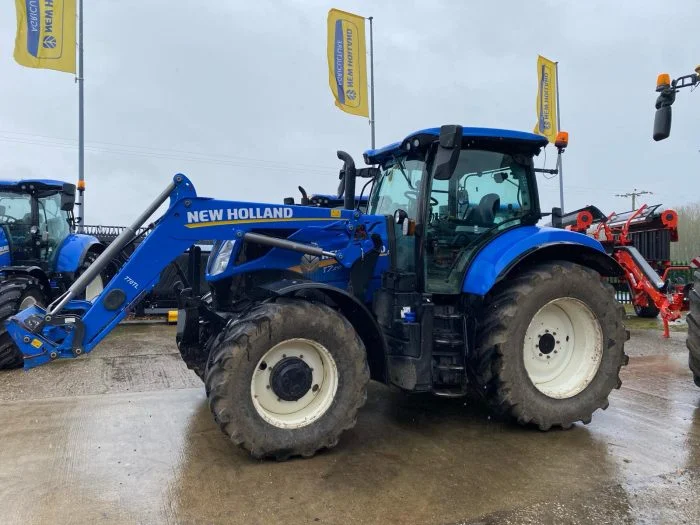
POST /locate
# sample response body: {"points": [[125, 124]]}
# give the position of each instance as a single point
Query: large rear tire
{"points": [[16, 293], [287, 379], [550, 345], [693, 319]]}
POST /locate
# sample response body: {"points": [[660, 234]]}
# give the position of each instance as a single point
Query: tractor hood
{"points": [[526, 142]]}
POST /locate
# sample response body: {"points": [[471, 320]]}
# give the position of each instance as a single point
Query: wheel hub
{"points": [[546, 343], [291, 379], [563, 348], [294, 383]]}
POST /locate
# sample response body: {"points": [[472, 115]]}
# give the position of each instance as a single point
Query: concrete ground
{"points": [[125, 436]]}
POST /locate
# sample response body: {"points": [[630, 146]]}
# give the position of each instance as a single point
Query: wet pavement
{"points": [[125, 436]]}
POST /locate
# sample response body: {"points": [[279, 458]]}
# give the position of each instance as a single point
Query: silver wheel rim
{"points": [[563, 348], [314, 403], [27, 302], [94, 288]]}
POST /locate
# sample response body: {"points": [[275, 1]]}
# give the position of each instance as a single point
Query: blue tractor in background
{"points": [[440, 282], [40, 253]]}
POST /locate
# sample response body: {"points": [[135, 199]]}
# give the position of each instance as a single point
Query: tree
{"points": [[688, 245]]}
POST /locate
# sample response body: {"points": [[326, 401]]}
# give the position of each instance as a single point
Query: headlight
{"points": [[220, 262]]}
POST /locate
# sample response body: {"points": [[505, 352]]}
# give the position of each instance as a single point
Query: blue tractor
{"points": [[443, 283], [40, 253]]}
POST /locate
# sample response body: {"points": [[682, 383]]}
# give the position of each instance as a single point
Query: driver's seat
{"points": [[485, 213]]}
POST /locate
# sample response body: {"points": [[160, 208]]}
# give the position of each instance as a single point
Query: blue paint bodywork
{"points": [[188, 220], [73, 250], [498, 254], [5, 258]]}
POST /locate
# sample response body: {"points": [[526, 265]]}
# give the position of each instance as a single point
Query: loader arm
{"points": [[68, 327]]}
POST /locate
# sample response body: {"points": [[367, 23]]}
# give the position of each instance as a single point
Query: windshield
{"points": [[52, 221], [397, 189], [489, 191], [16, 222]]}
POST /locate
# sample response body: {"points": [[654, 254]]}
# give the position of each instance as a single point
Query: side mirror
{"points": [[448, 152], [401, 220], [68, 197], [662, 123], [557, 221]]}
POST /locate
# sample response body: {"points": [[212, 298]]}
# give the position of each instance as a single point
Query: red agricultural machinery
{"points": [[640, 241]]}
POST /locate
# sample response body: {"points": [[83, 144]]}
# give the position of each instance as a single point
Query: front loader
{"points": [[440, 282]]}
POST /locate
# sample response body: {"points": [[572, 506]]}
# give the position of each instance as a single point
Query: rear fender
{"points": [[33, 271], [529, 245], [354, 311], [72, 251]]}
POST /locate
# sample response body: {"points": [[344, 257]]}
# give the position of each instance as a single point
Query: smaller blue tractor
{"points": [[40, 253]]}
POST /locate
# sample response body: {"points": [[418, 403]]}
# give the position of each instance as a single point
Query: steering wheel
{"points": [[6, 219], [413, 196]]}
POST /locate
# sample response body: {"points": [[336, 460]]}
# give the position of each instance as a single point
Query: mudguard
{"points": [[507, 250], [356, 313], [73, 249]]}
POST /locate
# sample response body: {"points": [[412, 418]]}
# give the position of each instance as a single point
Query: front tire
{"points": [[550, 345], [287, 379], [16, 293]]}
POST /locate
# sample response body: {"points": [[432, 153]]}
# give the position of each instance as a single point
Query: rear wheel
{"points": [[16, 293], [95, 287], [550, 345], [287, 379], [693, 339]]}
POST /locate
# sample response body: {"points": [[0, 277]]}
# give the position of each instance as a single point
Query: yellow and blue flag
{"points": [[547, 110], [46, 34], [347, 62]]}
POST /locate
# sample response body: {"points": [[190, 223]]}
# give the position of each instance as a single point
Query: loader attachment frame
{"points": [[68, 328]]}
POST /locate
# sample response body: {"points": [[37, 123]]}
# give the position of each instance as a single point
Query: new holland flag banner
{"points": [[347, 62], [46, 34], [547, 99]]}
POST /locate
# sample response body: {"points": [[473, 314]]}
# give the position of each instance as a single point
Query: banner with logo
{"points": [[46, 34], [347, 62], [547, 110]]}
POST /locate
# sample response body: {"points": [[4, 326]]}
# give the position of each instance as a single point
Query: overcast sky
{"points": [[235, 94]]}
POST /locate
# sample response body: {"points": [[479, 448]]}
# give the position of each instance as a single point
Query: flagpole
{"points": [[81, 123], [561, 169], [371, 79]]}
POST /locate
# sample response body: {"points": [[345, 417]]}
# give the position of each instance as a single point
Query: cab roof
{"points": [[377, 156], [42, 183]]}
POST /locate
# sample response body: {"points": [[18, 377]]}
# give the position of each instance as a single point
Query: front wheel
{"points": [[550, 345], [287, 379], [16, 293]]}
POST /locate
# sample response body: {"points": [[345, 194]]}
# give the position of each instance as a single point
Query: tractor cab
{"points": [[35, 217], [448, 202]]}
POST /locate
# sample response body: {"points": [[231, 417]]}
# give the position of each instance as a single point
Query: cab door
{"points": [[397, 191]]}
